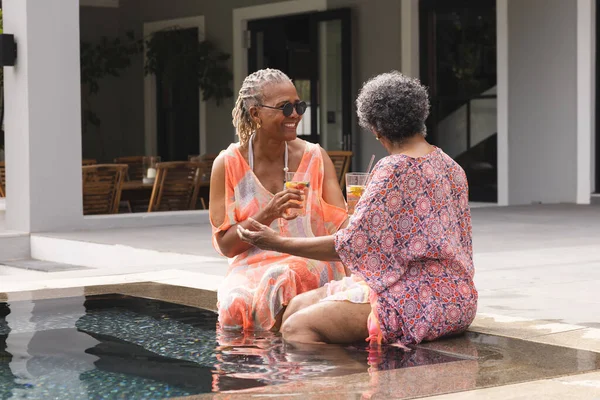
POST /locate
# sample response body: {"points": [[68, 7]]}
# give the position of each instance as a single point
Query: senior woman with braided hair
{"points": [[408, 242], [247, 181]]}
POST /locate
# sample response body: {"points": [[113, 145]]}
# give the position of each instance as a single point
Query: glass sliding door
{"points": [[333, 100], [314, 51], [458, 65]]}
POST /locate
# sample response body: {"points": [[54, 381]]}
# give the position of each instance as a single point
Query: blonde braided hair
{"points": [[251, 94]]}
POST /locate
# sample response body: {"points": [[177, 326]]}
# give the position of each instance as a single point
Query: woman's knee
{"points": [[288, 328], [298, 329], [303, 301]]}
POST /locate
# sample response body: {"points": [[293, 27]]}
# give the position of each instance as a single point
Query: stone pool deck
{"points": [[537, 272]]}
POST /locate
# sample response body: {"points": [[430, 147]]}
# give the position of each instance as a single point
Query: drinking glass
{"points": [[355, 187], [299, 181]]}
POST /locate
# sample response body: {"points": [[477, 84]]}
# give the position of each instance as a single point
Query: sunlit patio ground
{"points": [[537, 272]]}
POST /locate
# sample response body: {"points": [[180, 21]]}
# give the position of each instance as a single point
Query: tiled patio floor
{"points": [[536, 270]]}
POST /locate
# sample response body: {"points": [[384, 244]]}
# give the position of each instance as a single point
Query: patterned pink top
{"points": [[410, 240]]}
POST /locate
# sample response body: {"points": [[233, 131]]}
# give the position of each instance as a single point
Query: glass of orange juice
{"points": [[299, 181], [355, 187]]}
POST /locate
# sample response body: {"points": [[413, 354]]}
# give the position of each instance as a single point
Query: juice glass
{"points": [[299, 181], [355, 187]]}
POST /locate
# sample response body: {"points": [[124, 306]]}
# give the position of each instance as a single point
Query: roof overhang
{"points": [[99, 3]]}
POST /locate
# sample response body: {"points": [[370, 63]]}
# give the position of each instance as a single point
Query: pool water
{"points": [[122, 347]]}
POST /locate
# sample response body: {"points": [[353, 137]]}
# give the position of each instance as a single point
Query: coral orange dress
{"points": [[260, 283]]}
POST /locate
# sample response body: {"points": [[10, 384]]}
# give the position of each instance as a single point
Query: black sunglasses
{"points": [[288, 108]]}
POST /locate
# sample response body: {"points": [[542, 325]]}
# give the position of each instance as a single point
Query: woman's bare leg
{"points": [[328, 322], [297, 303], [304, 300]]}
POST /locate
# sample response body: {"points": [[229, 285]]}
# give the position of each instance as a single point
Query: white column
{"points": [[502, 99], [409, 25], [43, 116], [586, 84]]}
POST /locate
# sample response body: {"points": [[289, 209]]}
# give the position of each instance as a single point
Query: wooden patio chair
{"points": [[341, 162], [102, 185], [176, 186], [2, 179], [210, 157], [206, 161], [135, 172], [89, 161]]}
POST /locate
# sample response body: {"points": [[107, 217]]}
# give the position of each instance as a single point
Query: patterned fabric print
{"points": [[260, 283], [410, 239]]}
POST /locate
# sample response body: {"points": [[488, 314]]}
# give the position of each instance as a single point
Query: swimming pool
{"points": [[126, 347]]}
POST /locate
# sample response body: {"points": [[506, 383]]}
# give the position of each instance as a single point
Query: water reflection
{"points": [[43, 347], [125, 347], [8, 380], [266, 358], [118, 346]]}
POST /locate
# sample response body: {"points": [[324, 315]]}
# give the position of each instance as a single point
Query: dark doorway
{"points": [[177, 112], [314, 51], [458, 64]]}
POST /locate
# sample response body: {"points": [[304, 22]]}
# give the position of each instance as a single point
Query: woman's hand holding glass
{"points": [[279, 205]]}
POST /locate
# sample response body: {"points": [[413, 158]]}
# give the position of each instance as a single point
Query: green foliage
{"points": [[463, 42], [174, 54], [170, 52], [109, 57]]}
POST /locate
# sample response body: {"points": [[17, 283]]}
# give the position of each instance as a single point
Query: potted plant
{"points": [[171, 53], [169, 50]]}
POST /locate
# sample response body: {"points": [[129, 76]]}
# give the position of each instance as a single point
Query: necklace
{"points": [[251, 156]]}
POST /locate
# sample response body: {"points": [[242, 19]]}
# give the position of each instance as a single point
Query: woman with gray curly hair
{"points": [[408, 243], [247, 181]]}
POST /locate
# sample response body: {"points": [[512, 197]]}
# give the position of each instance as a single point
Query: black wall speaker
{"points": [[8, 50]]}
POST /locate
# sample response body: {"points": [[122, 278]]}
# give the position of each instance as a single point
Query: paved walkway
{"points": [[532, 263], [537, 262]]}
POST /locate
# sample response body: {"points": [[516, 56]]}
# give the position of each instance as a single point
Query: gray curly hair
{"points": [[250, 95], [393, 105]]}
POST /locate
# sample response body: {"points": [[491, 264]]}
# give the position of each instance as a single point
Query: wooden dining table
{"points": [[134, 190], [138, 193], [137, 185]]}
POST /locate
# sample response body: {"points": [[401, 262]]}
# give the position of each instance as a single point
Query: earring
{"points": [[377, 137], [258, 125]]}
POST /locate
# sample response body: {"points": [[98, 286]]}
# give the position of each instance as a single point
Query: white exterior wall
{"points": [[542, 101], [43, 116], [371, 56]]}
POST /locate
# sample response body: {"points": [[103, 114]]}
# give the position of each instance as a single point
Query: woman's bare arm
{"points": [[316, 248], [228, 241]]}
